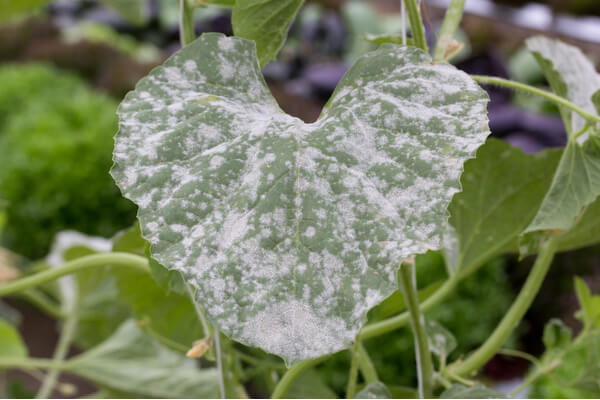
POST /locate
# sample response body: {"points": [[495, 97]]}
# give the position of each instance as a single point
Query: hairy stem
{"points": [[561, 101], [417, 322], [449, 26], [186, 23], [366, 366], [93, 261], [353, 373], [292, 374], [514, 315], [416, 24], [64, 342]]}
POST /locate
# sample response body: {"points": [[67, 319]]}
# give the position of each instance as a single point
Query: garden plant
{"points": [[263, 242]]}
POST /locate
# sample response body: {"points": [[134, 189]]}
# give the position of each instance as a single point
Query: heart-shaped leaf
{"points": [[289, 231]]}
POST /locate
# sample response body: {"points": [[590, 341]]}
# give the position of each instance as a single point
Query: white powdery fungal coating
{"points": [[291, 232]]}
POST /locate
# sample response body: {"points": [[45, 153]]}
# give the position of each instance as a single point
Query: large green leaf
{"points": [[289, 231], [266, 22], [131, 362], [502, 190], [576, 182]]}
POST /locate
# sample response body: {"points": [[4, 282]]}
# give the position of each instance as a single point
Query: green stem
{"points": [[561, 101], [199, 310], [514, 315], [257, 362], [64, 342], [292, 374], [186, 23], [400, 320], [416, 24], [353, 374], [32, 363], [220, 370], [93, 261], [449, 26], [367, 368], [41, 301], [424, 362]]}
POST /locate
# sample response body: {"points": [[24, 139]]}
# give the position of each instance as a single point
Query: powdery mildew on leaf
{"points": [[291, 232]]}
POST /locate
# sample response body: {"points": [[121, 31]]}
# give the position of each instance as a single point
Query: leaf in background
{"points": [[590, 305], [576, 182], [130, 361], [478, 391], [165, 312], [557, 335], [134, 11], [291, 232], [266, 22], [310, 386], [441, 341], [502, 189], [375, 390], [12, 344], [12, 8]]}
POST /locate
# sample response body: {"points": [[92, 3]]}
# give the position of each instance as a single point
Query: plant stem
{"points": [[367, 369], [291, 374], [199, 311], [353, 374], [95, 260], [449, 26], [64, 342], [400, 320], [41, 301], [514, 315], [186, 23], [424, 362], [538, 92], [416, 24], [220, 371]]}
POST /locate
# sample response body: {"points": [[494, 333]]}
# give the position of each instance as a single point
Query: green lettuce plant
{"points": [[282, 235]]}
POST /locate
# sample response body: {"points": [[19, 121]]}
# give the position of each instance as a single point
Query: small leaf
{"points": [[291, 232], [131, 362], [557, 335], [477, 391], [441, 341], [375, 390], [385, 38], [266, 22], [12, 344], [590, 305]]}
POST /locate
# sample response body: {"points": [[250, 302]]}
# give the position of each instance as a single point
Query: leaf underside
{"points": [[576, 182], [291, 232]]}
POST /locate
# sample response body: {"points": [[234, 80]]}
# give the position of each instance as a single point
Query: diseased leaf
{"points": [[291, 232], [266, 22], [131, 362], [375, 390], [477, 391], [502, 189], [12, 344], [576, 182]]}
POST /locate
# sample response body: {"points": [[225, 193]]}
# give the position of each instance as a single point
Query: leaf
{"points": [[557, 335], [590, 305], [386, 38], [134, 11], [310, 385], [291, 232], [502, 189], [11, 8], [375, 390], [131, 362], [12, 344], [570, 74], [576, 182], [586, 230], [266, 22], [441, 341], [477, 391]]}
